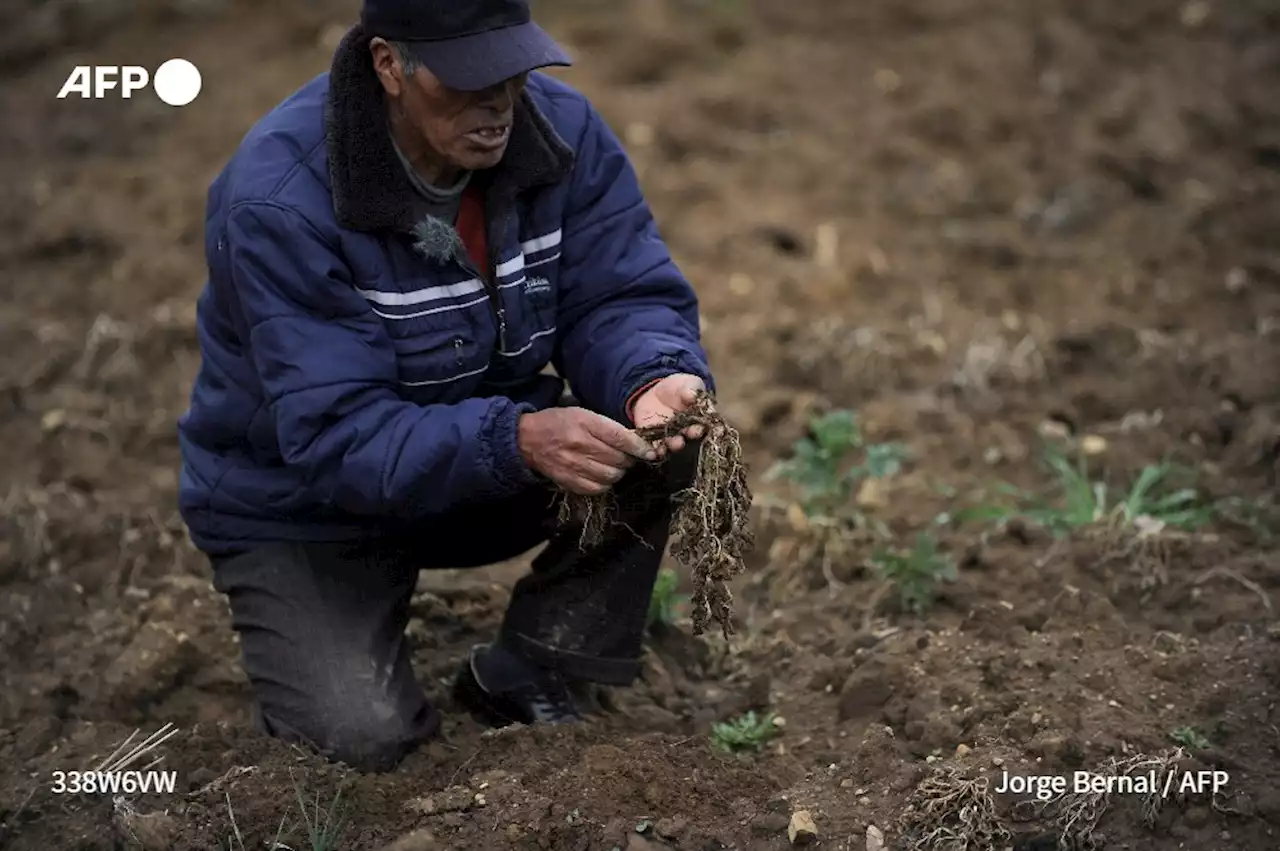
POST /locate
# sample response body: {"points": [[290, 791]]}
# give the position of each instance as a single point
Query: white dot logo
{"points": [[177, 82]]}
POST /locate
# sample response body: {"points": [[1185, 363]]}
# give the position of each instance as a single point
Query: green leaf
{"points": [[836, 432], [884, 459], [1147, 479], [662, 603], [1177, 499], [984, 512]]}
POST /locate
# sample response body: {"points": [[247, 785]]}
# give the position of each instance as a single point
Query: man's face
{"points": [[466, 130]]}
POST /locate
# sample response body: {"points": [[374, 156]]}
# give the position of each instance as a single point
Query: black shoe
{"points": [[545, 700]]}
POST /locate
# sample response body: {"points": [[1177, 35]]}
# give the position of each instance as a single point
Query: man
{"points": [[396, 254]]}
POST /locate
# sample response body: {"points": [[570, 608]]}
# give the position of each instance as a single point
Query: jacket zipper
{"points": [[495, 297], [501, 313], [491, 283], [495, 302], [490, 280]]}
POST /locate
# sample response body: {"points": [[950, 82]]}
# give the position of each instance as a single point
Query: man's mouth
{"points": [[491, 137]]}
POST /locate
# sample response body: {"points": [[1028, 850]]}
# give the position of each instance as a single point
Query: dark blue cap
{"points": [[468, 45]]}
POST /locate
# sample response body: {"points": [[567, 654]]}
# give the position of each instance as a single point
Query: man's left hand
{"points": [[664, 400]]}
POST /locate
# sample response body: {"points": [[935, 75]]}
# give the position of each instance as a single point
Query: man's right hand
{"points": [[581, 451]]}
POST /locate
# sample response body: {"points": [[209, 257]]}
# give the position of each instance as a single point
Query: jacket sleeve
{"points": [[626, 314], [329, 376]]}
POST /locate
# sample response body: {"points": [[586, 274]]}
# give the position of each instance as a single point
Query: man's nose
{"points": [[501, 95]]}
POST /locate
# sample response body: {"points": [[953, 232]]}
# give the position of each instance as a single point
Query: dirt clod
{"points": [[672, 827], [865, 692], [148, 831], [770, 824], [636, 842], [419, 840]]}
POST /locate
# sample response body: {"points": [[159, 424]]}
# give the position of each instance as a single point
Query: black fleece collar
{"points": [[370, 188]]}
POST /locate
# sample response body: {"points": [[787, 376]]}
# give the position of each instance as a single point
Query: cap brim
{"points": [[476, 62]]}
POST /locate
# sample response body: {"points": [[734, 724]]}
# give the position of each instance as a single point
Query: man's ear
{"points": [[386, 64]]}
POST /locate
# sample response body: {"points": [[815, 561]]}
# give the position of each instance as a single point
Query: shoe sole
{"points": [[484, 706]]}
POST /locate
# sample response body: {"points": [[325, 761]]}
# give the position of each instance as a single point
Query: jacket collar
{"points": [[370, 188]]}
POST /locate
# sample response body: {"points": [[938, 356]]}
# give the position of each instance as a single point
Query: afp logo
{"points": [[176, 82]]}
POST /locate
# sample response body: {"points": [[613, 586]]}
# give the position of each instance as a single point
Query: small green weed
{"points": [[1082, 501], [819, 464], [1190, 737], [235, 839], [1258, 516], [914, 575], [664, 604], [324, 827], [747, 733]]}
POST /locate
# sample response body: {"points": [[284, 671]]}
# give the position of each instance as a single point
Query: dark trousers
{"points": [[322, 626]]}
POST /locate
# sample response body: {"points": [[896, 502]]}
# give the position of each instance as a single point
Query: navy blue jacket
{"points": [[359, 376]]}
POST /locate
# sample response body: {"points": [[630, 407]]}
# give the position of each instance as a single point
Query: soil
{"points": [[975, 223]]}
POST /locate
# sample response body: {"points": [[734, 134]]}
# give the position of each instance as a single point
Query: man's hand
{"points": [[581, 451], [663, 400]]}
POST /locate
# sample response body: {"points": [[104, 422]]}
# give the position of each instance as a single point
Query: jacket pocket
{"points": [[438, 359]]}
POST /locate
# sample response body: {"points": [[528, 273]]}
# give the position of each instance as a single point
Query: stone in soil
{"points": [[802, 830]]}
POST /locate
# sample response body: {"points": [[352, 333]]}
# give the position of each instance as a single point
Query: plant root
{"points": [[951, 812], [1079, 813], [710, 528]]}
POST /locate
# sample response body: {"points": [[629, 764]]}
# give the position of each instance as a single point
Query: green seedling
{"points": [[1258, 516], [1081, 501], [235, 839], [914, 575], [820, 464], [1189, 737], [323, 827], [750, 732], [664, 604]]}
